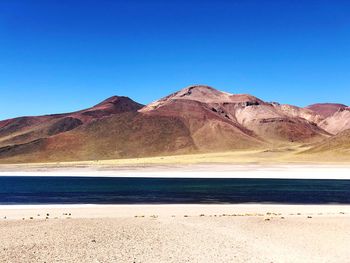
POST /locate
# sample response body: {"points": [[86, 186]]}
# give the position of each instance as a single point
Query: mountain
{"points": [[337, 122], [325, 109], [187, 127], [203, 110], [196, 119], [304, 113], [243, 113], [26, 129], [122, 135], [335, 117]]}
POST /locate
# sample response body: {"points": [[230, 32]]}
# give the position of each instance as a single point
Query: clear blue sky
{"points": [[59, 56]]}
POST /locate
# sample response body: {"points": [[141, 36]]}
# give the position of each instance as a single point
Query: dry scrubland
{"points": [[293, 155]]}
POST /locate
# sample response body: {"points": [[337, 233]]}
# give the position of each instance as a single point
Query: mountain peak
{"points": [[199, 87], [203, 94], [113, 100], [207, 94]]}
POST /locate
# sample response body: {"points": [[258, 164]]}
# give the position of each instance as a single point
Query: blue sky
{"points": [[59, 56]]}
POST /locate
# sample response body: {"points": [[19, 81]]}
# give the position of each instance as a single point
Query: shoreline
{"points": [[59, 211], [324, 171]]}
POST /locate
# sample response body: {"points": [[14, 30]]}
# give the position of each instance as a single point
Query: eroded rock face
{"points": [[297, 112], [338, 122], [243, 111]]}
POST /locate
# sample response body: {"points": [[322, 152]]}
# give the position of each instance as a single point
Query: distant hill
{"points": [[195, 119], [325, 109]]}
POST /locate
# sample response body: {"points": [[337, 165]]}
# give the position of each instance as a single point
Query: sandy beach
{"points": [[175, 233]]}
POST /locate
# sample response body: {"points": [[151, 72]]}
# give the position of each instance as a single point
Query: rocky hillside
{"points": [[193, 120]]}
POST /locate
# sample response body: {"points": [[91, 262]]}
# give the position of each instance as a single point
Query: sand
{"points": [[175, 233]]}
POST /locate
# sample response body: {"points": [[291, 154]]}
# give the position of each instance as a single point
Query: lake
{"points": [[111, 190]]}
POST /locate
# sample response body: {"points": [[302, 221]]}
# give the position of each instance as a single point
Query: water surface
{"points": [[93, 190]]}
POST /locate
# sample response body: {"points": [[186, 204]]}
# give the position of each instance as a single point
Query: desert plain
{"points": [[175, 233]]}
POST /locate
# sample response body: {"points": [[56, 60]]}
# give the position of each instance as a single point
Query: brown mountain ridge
{"points": [[197, 119]]}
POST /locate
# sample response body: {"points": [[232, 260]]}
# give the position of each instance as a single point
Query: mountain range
{"points": [[196, 119]]}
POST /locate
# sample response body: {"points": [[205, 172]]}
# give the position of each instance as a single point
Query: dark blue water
{"points": [[89, 190]]}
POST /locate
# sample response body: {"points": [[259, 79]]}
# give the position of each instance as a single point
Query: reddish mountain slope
{"points": [[248, 115], [212, 129], [26, 129], [118, 136], [325, 109], [195, 119]]}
